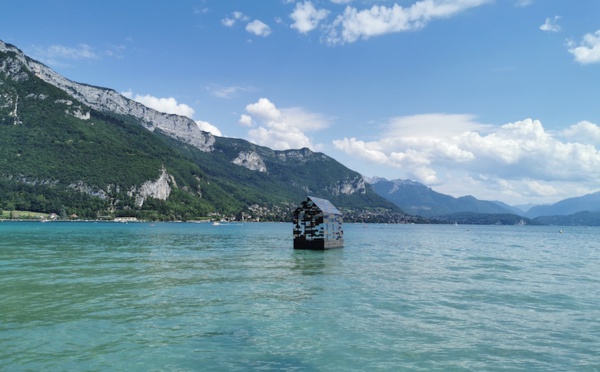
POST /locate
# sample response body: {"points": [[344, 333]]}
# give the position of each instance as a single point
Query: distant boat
{"points": [[216, 223]]}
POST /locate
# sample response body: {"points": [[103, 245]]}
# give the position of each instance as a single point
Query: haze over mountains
{"points": [[589, 202], [416, 198]]}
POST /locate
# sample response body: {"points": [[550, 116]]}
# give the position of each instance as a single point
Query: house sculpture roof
{"points": [[324, 205]]}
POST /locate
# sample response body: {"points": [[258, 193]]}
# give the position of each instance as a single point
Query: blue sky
{"points": [[492, 98]]}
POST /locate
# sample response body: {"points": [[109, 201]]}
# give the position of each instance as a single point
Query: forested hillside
{"points": [[59, 154]]}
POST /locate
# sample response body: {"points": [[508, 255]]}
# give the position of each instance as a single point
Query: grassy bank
{"points": [[21, 215]]}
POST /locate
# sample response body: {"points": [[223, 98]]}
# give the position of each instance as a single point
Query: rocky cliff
{"points": [[349, 186], [102, 99], [250, 160]]}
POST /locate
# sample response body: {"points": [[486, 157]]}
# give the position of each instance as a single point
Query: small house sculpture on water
{"points": [[317, 225]]}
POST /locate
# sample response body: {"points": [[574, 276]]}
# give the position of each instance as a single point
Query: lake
{"points": [[237, 297]]}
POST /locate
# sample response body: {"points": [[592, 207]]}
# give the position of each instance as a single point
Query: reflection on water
{"points": [[317, 262]]}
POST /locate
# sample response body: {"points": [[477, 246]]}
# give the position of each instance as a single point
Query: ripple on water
{"points": [[397, 297]]}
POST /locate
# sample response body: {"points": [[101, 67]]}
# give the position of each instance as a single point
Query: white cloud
{"points": [[246, 120], [258, 28], [208, 127], [264, 110], [515, 160], [306, 17], [583, 132], [83, 51], [166, 105], [227, 92], [536, 188], [551, 25], [588, 50], [356, 24], [171, 106], [420, 125], [307, 121], [369, 151], [281, 129], [228, 22], [236, 16], [58, 55], [279, 136]]}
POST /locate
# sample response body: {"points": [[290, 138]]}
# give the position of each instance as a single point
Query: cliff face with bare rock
{"points": [[107, 100]]}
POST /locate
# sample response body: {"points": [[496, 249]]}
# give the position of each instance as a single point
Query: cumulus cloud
{"points": [[167, 105], [583, 132], [171, 106], [208, 127], [516, 156], [258, 28], [551, 25], [280, 129], [371, 151], [264, 110], [306, 17], [246, 120], [356, 24], [588, 50]]}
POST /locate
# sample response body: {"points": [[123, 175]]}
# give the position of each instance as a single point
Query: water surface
{"points": [[237, 297]]}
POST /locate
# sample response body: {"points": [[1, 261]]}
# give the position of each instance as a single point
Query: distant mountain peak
{"points": [[416, 198], [407, 182], [589, 202], [373, 180]]}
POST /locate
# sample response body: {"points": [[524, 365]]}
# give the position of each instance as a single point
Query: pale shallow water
{"points": [[237, 297]]}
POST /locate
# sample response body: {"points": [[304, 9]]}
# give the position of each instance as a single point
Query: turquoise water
{"points": [[237, 297]]}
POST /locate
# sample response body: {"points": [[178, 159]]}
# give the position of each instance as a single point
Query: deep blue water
{"points": [[237, 297]]}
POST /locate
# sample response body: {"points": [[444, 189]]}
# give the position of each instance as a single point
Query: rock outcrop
{"points": [[250, 160], [349, 186], [303, 155], [159, 189]]}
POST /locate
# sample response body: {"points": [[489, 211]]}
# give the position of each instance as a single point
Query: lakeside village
{"points": [[255, 213]]}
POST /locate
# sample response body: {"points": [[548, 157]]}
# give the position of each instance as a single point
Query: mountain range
{"points": [[418, 199], [589, 203], [79, 149], [73, 148]]}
